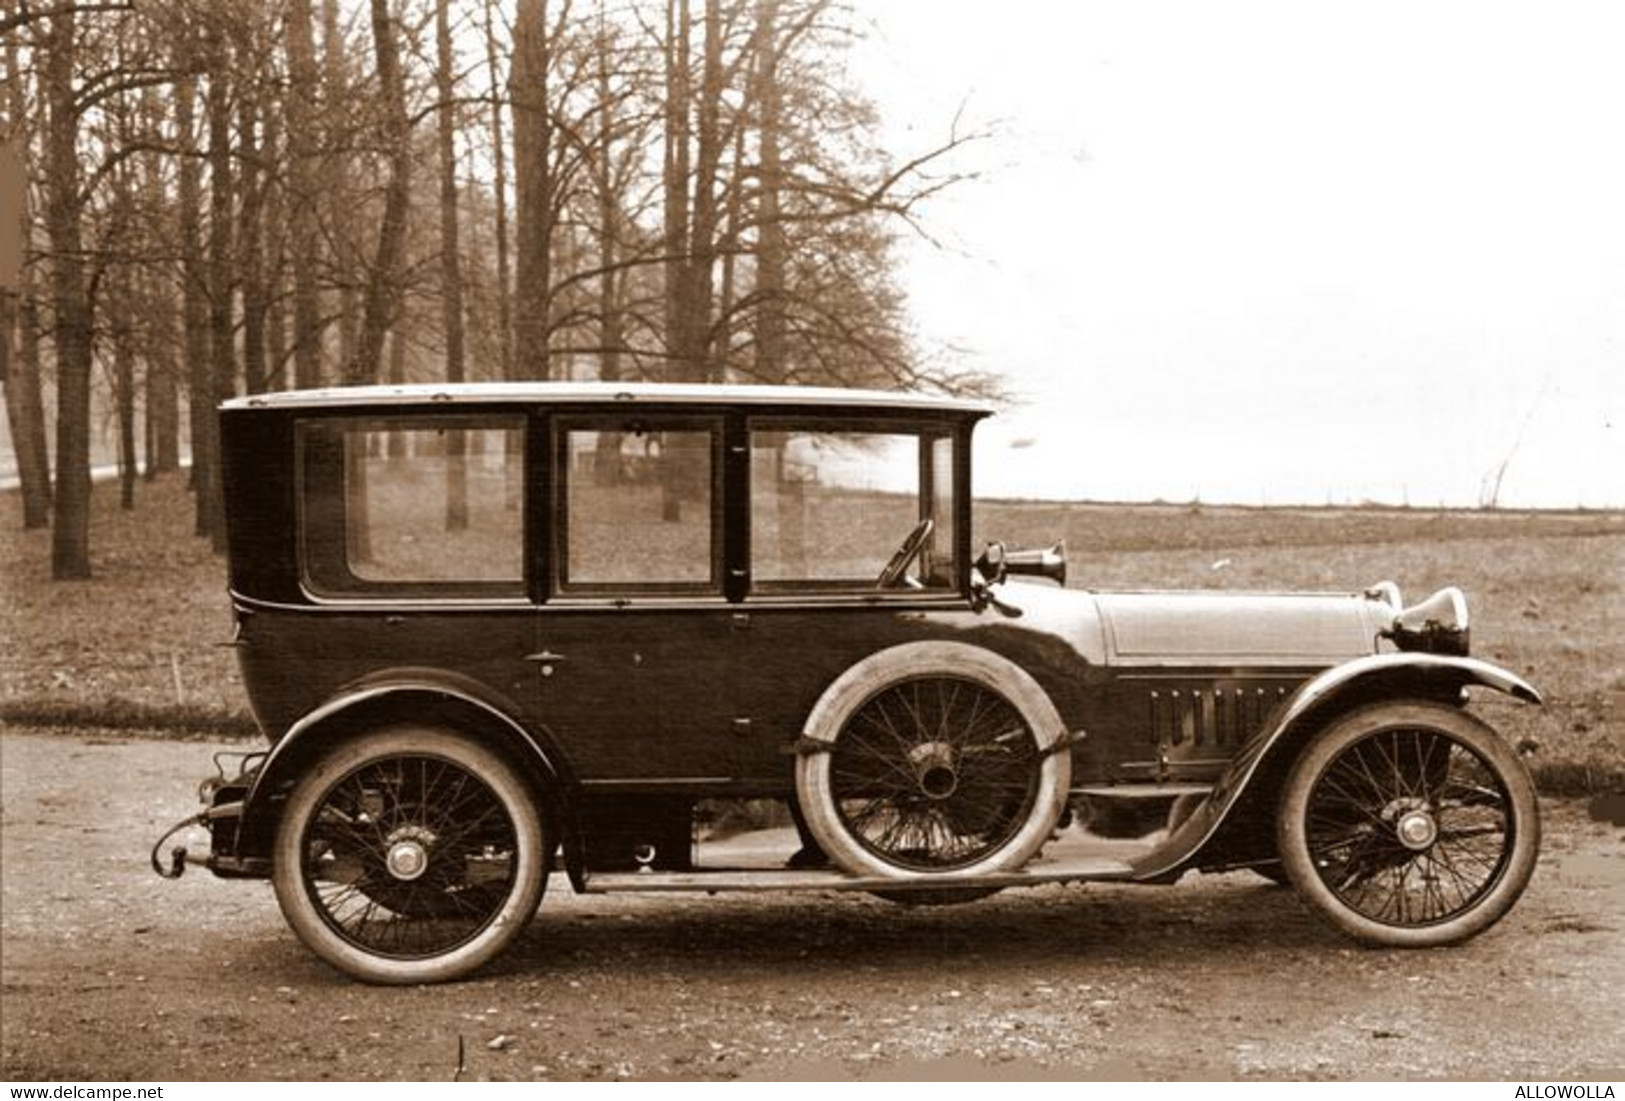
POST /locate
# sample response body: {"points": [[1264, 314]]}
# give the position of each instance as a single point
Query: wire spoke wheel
{"points": [[1410, 825], [409, 856], [935, 773], [937, 759]]}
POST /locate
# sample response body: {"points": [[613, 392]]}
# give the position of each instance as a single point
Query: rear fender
{"points": [[407, 697], [1248, 785]]}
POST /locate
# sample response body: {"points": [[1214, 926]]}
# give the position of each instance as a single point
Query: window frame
{"points": [[559, 588], [926, 432], [327, 577]]}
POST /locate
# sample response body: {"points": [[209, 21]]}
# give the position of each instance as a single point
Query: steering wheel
{"points": [[905, 553]]}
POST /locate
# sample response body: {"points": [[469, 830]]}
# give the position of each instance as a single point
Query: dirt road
{"points": [[107, 972]]}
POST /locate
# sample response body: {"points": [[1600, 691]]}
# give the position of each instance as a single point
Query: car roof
{"points": [[582, 393]]}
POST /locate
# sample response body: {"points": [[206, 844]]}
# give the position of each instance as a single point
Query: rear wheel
{"points": [[410, 855], [1409, 825], [943, 760]]}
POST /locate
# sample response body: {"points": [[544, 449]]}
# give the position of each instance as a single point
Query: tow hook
{"points": [[180, 856], [177, 855]]}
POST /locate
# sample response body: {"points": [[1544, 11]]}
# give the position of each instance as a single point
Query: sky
{"points": [[1274, 252]]}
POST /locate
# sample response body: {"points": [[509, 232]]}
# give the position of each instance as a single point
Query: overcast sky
{"points": [[1281, 252]]}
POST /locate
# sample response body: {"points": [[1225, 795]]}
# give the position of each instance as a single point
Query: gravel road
{"points": [[107, 972]]}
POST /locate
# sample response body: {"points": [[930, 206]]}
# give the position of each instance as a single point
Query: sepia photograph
{"points": [[687, 541]]}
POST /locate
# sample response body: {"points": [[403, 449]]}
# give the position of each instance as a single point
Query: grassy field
{"points": [[137, 647]]}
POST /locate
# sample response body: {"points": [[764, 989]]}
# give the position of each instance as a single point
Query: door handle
{"points": [[547, 656]]}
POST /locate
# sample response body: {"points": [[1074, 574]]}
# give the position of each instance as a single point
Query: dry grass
{"points": [[136, 647], [136, 643]]}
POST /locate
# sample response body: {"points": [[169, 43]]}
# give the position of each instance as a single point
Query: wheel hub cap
{"points": [[939, 782], [934, 769], [1417, 830], [407, 859]]}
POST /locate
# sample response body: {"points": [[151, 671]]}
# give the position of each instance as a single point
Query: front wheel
{"points": [[1409, 825], [410, 855]]}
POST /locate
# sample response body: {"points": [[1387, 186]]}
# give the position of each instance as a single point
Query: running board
{"points": [[824, 879], [1142, 791]]}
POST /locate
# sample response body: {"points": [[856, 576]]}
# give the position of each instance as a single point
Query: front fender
{"points": [[1262, 760]]}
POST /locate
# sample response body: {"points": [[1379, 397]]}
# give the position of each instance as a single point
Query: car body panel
{"points": [[1250, 629]]}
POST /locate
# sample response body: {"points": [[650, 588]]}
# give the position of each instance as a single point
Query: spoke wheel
{"points": [[1409, 825], [409, 855], [934, 774], [940, 761]]}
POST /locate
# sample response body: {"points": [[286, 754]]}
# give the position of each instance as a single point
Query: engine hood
{"points": [[1257, 629]]}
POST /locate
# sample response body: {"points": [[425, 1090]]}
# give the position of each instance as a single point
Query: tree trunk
{"points": [[345, 247], [163, 397], [195, 303], [25, 408], [274, 223], [610, 322], [70, 535], [770, 249], [532, 156], [157, 304], [124, 386], [250, 257], [676, 180], [500, 188], [383, 287], [305, 245], [698, 286], [19, 336], [451, 272], [221, 344], [606, 467]]}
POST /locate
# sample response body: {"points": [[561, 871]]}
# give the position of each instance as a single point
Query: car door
{"points": [[631, 653], [411, 547], [831, 502]]}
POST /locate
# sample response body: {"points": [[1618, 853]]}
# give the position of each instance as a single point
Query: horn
{"points": [[1049, 563]]}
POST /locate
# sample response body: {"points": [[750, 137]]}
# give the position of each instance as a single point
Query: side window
{"points": [[412, 504], [640, 505], [830, 507]]}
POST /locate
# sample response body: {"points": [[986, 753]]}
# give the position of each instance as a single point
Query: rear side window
{"points": [[426, 505]]}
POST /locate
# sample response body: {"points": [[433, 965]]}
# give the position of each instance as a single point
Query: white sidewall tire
{"points": [[517, 909], [1523, 807], [910, 661]]}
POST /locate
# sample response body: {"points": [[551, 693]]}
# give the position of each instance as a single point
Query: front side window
{"points": [[640, 506], [831, 508], [412, 504]]}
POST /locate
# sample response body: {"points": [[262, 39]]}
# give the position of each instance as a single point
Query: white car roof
{"points": [[646, 393]]}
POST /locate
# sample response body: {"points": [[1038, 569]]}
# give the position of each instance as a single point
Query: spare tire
{"points": [[935, 759]]}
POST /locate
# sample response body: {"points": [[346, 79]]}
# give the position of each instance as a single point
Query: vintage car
{"points": [[711, 638]]}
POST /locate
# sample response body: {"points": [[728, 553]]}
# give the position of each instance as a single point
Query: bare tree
{"points": [[382, 295], [70, 296], [499, 195], [303, 167], [222, 271], [194, 288], [534, 187], [451, 273], [156, 305], [19, 318]]}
